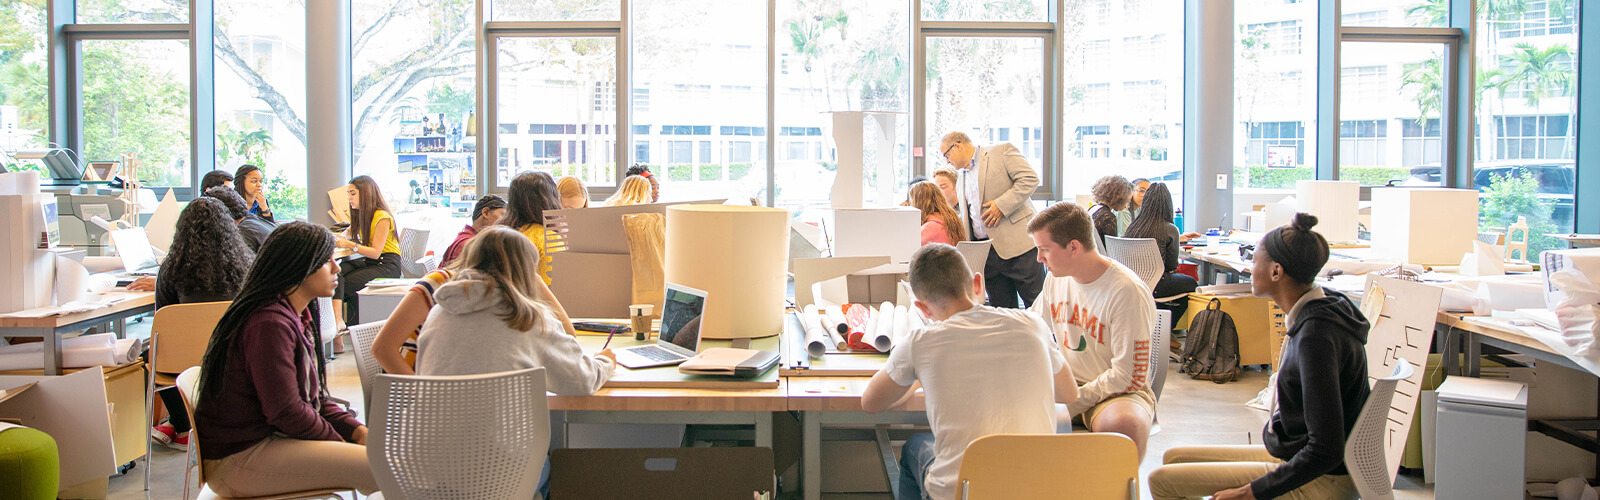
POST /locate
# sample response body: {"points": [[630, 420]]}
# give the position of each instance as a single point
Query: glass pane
{"points": [[260, 92], [1389, 13], [989, 10], [1275, 63], [1389, 107], [133, 11], [984, 87], [564, 10], [1527, 111], [1124, 99], [557, 108], [833, 57], [24, 112], [702, 85], [413, 97], [136, 107]]}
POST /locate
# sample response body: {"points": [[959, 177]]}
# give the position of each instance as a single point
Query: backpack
{"points": [[1211, 351]]}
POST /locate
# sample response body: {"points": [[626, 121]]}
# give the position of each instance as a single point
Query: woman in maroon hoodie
{"points": [[265, 422]]}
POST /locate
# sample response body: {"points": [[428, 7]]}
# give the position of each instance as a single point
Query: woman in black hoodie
{"points": [[1321, 386]]}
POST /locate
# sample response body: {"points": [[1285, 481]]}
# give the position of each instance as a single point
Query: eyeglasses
{"points": [[947, 150], [1247, 252]]}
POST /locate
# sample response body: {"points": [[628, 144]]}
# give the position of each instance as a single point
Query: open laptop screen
{"points": [[680, 319]]}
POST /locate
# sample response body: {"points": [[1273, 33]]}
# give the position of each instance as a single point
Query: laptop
{"points": [[679, 339], [133, 247]]}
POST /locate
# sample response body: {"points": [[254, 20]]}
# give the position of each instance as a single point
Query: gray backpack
{"points": [[1211, 351]]}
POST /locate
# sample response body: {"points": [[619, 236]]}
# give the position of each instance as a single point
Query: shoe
{"points": [[166, 436]]}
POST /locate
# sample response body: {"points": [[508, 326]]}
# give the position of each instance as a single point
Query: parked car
{"points": [[1557, 182]]}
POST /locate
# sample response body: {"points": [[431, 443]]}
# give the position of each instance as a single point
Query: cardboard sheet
{"points": [[849, 142], [164, 222], [737, 255], [808, 272], [71, 408]]}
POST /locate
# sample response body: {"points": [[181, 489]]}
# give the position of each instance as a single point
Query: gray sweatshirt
{"points": [[464, 335]]}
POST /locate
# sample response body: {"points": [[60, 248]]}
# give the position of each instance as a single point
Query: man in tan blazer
{"points": [[993, 186]]}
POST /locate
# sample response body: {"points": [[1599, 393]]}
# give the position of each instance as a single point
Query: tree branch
{"points": [[264, 90], [360, 41], [451, 45]]}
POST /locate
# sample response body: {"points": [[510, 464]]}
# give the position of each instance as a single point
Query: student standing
{"points": [[1023, 373], [532, 193], [1322, 385], [485, 213], [940, 223], [1103, 315], [374, 239], [252, 227], [250, 182], [994, 186], [1155, 222], [269, 427]]}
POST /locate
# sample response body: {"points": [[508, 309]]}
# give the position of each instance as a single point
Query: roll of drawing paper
{"points": [[817, 339], [834, 320], [889, 320], [738, 256]]}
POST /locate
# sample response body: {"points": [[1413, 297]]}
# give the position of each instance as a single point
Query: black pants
{"points": [[354, 274], [1174, 284], [1007, 280], [177, 416]]}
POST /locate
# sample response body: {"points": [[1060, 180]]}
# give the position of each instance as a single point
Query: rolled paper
{"points": [[883, 336], [817, 339], [834, 320], [739, 256]]}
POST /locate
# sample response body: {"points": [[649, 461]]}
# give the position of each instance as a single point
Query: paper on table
{"points": [[72, 280], [1488, 389], [1485, 260], [817, 339], [883, 337]]}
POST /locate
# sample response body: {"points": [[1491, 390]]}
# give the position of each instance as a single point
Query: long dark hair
{"points": [[530, 195], [290, 255], [370, 203], [1155, 215], [208, 257], [238, 180]]}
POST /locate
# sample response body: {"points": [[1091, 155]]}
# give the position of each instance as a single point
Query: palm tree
{"points": [[1545, 71]]}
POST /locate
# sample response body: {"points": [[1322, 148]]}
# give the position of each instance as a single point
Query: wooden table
{"points": [[50, 328], [836, 401]]}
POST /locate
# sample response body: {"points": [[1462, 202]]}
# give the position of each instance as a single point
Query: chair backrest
{"points": [[327, 325], [1366, 450], [367, 366], [976, 253], [1139, 254], [459, 437], [185, 331], [1160, 344], [1022, 466], [413, 244], [188, 387]]}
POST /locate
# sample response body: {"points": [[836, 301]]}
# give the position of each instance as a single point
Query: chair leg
{"points": [[149, 407], [188, 456]]}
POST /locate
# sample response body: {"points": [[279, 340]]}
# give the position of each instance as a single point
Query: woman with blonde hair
{"points": [[940, 224], [635, 190], [573, 193]]}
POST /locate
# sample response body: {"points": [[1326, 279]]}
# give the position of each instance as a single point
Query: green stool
{"points": [[30, 467]]}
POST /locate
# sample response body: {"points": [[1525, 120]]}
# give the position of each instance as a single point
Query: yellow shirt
{"points": [[539, 236], [391, 244]]}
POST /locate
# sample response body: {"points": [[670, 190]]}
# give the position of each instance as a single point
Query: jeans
{"points": [[915, 459]]}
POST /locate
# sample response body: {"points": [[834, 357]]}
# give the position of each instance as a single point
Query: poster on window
{"points": [[1282, 156]]}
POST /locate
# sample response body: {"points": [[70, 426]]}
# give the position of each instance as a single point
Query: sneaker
{"points": [[166, 436]]}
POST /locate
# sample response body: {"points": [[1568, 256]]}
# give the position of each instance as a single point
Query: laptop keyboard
{"points": [[654, 353]]}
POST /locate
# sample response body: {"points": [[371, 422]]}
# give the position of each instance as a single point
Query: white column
{"points": [[1208, 124], [327, 102]]}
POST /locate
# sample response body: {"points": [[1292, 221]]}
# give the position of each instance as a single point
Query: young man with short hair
{"points": [[1103, 314], [485, 213], [1022, 373]]}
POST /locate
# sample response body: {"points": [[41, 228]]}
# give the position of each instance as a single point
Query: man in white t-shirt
{"points": [[983, 370], [1103, 315]]}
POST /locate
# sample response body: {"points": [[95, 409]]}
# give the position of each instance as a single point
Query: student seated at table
{"points": [[252, 227], [635, 190], [267, 425], [644, 171], [216, 178], [1111, 195], [250, 182], [496, 316], [374, 239], [532, 193], [1155, 222], [573, 193], [1023, 373], [1322, 385], [485, 213], [940, 222], [946, 180], [1103, 316], [207, 262]]}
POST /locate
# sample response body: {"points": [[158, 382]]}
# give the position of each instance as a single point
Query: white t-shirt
{"points": [[1105, 330], [984, 371]]}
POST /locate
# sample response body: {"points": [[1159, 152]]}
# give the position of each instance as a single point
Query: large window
{"points": [[1385, 89], [136, 107], [1275, 88], [261, 95], [547, 87], [980, 85], [24, 107]]}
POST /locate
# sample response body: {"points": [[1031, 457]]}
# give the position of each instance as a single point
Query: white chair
{"points": [[1366, 451], [1160, 344], [1139, 254], [367, 367], [188, 382], [413, 247], [458, 437], [976, 253], [1492, 238], [327, 331]]}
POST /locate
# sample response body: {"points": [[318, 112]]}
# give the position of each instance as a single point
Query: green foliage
{"points": [[453, 103], [680, 172], [288, 200], [129, 105], [247, 146], [1261, 177], [737, 171], [710, 172], [1542, 69], [1511, 196]]}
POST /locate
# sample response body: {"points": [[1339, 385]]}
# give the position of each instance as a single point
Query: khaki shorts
{"points": [[1143, 397]]}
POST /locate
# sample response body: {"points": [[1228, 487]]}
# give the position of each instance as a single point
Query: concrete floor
{"points": [[1193, 412]]}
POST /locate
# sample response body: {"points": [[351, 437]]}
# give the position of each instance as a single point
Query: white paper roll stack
{"points": [[738, 255]]}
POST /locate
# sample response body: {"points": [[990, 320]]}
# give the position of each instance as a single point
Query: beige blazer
{"points": [[1005, 178]]}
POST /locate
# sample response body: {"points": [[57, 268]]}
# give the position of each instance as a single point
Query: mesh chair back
{"points": [[459, 437], [367, 367], [1091, 465], [1160, 344], [1139, 254], [976, 253], [1491, 238], [1365, 453], [327, 326], [413, 244]]}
